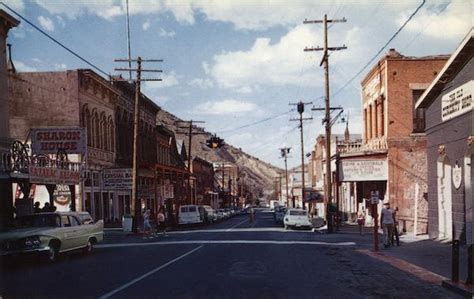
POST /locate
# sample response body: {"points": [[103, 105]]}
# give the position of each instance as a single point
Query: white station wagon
{"points": [[297, 218]]}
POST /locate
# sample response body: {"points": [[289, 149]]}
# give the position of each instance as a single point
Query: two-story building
{"points": [[391, 162]]}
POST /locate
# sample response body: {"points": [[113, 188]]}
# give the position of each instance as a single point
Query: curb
{"points": [[459, 288], [405, 266]]}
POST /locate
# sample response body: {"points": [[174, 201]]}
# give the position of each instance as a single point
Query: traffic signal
{"points": [[215, 142]]}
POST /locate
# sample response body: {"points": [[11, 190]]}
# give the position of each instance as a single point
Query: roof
{"points": [[8, 19], [393, 55], [455, 63]]}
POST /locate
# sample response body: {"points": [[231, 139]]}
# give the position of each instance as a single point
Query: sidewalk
{"points": [[421, 256]]}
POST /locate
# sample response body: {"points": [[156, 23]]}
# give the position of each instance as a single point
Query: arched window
{"points": [[86, 121], [111, 129], [103, 132], [96, 131]]}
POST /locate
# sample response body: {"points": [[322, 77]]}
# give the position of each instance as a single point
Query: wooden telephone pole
{"points": [[135, 204], [300, 105], [284, 154], [190, 134], [327, 119]]}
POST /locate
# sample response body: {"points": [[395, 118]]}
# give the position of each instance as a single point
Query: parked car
{"points": [[220, 214], [210, 215], [297, 218], [190, 214], [51, 234]]}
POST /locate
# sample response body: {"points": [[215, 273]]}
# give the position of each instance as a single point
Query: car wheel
{"points": [[89, 247], [53, 253]]}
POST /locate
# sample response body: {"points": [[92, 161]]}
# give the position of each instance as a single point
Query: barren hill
{"points": [[258, 173]]}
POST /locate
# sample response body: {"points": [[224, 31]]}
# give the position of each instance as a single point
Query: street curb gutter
{"points": [[460, 288], [421, 273]]}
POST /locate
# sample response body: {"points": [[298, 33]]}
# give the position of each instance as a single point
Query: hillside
{"points": [[259, 173]]}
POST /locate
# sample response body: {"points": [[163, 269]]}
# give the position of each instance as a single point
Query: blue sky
{"points": [[234, 63]]}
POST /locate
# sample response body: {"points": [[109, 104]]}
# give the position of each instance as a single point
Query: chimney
{"points": [[393, 53]]}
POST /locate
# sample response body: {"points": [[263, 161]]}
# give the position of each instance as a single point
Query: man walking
{"points": [[387, 222]]}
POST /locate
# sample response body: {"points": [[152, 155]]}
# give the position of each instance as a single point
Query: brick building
{"points": [[203, 171], [448, 106], [391, 161]]}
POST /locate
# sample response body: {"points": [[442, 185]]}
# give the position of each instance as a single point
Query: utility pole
{"points": [[284, 154], [327, 120], [135, 204], [300, 106], [190, 134]]}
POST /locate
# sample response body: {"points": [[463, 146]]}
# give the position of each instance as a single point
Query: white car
{"points": [[297, 218]]}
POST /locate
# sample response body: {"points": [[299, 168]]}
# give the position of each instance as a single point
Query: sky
{"points": [[238, 65]]}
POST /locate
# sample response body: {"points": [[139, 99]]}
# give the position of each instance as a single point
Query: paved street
{"points": [[228, 259]]}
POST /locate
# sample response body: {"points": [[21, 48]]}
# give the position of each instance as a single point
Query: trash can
{"points": [[127, 223]]}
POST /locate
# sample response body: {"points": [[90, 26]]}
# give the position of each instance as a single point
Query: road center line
{"points": [[203, 242], [228, 230], [111, 293]]}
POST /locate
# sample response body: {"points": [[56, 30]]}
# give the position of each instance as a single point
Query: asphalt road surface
{"points": [[231, 259]]}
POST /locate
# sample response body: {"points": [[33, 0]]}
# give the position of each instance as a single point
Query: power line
{"points": [[255, 123], [55, 40], [380, 51]]}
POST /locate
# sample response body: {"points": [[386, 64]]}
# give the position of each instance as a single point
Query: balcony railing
{"points": [[357, 146]]}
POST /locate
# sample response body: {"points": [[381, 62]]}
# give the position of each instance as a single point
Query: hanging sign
{"points": [[363, 170], [457, 176], [117, 178], [54, 176], [50, 140]]}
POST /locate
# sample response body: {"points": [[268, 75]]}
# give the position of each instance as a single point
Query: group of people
{"points": [[46, 208], [388, 223], [160, 223]]}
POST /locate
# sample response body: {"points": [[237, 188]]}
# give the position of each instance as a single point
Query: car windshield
{"points": [[298, 213], [47, 220]]}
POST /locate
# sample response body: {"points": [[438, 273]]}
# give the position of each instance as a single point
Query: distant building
{"points": [[390, 163], [448, 106]]}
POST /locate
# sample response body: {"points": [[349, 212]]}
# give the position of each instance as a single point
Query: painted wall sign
{"points": [[363, 170], [50, 140], [457, 102], [168, 189], [457, 176], [48, 175], [117, 178], [62, 195]]}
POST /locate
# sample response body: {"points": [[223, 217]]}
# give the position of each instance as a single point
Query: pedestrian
{"points": [[396, 236], [146, 223], [37, 208], [361, 221], [161, 222], [386, 222], [46, 208], [251, 215]]}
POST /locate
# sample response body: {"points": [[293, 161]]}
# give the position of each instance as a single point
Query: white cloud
{"points": [[226, 107], [165, 33], [146, 25], [46, 23], [452, 23], [206, 68], [168, 80], [244, 90], [61, 21], [265, 63], [22, 67], [202, 83]]}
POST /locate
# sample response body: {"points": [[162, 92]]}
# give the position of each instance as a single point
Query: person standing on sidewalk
{"points": [[361, 221], [395, 236], [386, 222], [146, 224]]}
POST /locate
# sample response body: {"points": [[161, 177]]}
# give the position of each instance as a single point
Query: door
{"points": [[445, 218]]}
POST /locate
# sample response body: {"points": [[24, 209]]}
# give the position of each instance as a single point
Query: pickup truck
{"points": [[51, 234]]}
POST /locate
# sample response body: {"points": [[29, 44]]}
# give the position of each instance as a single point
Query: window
{"points": [[418, 114], [192, 209], [298, 213], [87, 182], [73, 220], [95, 179], [65, 221], [184, 209]]}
